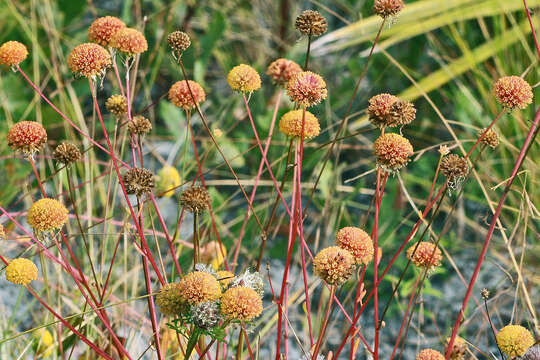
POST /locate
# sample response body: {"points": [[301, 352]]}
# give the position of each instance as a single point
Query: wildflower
{"points": [[455, 168], [402, 113], [103, 29], [429, 354], [117, 104], [283, 70], [514, 340], [138, 181], [334, 265], [444, 150], [513, 92], [392, 151], [12, 53], [459, 349], [205, 315], [306, 89], [44, 342], [379, 110], [169, 301], [217, 133], [387, 8], [213, 253], [47, 215], [168, 180], [533, 353], [291, 124], [357, 242], [139, 125], [311, 23], [485, 293], [252, 280], [427, 255], [195, 199], [225, 278], [67, 153], [199, 286], [244, 78], [178, 41], [180, 96], [21, 271], [27, 137], [89, 60], [129, 41], [241, 304], [489, 137]]}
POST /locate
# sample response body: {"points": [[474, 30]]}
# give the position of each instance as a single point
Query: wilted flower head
{"points": [[379, 110], [168, 180], [139, 125], [307, 89], [427, 255], [195, 199], [225, 278], [429, 354], [178, 41], [47, 215], [199, 286], [252, 280], [117, 104], [514, 340], [27, 137], [513, 92], [489, 137], [386, 8], [205, 315], [67, 153], [311, 23], [455, 168], [129, 41], [459, 349], [138, 181], [21, 271], [89, 60], [241, 304], [282, 70], [12, 53], [402, 113], [357, 242], [102, 29], [533, 353], [169, 301], [180, 96], [334, 265], [392, 151], [244, 78], [213, 253], [291, 124]]}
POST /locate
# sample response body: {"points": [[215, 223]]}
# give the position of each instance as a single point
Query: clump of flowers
{"points": [[27, 137], [311, 23], [225, 278], [252, 280], [514, 340], [244, 78], [307, 89], [392, 151], [180, 96], [429, 354], [199, 286], [195, 199], [169, 301], [67, 153], [213, 253], [117, 105], [21, 271], [129, 41], [241, 304], [459, 349], [138, 181], [357, 242], [513, 92], [387, 8], [89, 60], [168, 179], [178, 41], [402, 113], [455, 168], [205, 315], [533, 353], [103, 29], [12, 53], [379, 110], [334, 265], [47, 215], [282, 70], [489, 137], [291, 124], [139, 125], [427, 255]]}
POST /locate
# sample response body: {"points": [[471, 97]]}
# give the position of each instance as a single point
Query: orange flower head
{"points": [[27, 137], [307, 89], [199, 286], [334, 265], [427, 255], [357, 242], [392, 151], [291, 124], [47, 215], [429, 354], [89, 60], [379, 110], [12, 53], [129, 41], [241, 304], [180, 96], [387, 8], [103, 29], [283, 70], [513, 92]]}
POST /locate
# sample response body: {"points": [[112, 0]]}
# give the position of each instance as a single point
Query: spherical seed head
{"points": [[178, 41], [67, 153], [459, 349], [334, 265], [514, 340], [426, 256], [291, 124], [307, 89], [513, 92], [205, 315], [225, 278], [195, 199], [387, 8], [139, 125], [138, 181], [533, 353], [89, 60], [180, 96], [21, 271], [199, 286], [27, 137], [169, 301], [244, 78], [429, 354], [213, 253], [357, 242], [489, 137], [454, 167], [379, 110], [311, 22], [12, 53], [47, 215], [103, 29], [392, 151], [129, 41], [168, 180], [117, 104], [241, 304], [283, 70], [402, 113]]}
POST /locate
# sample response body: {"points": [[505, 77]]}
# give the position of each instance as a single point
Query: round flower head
{"points": [[392, 151], [402, 113], [514, 340], [12, 53], [117, 105], [291, 124], [225, 278], [334, 265], [241, 304], [102, 29], [459, 349], [212, 253], [283, 70], [455, 168], [533, 353], [67, 153], [47, 215], [205, 315], [379, 110], [44, 341], [89, 60], [429, 354], [427, 255], [178, 41], [386, 8], [306, 89], [129, 41], [199, 286], [138, 181], [195, 199], [311, 23], [513, 92], [169, 301], [244, 78], [27, 136], [489, 137], [139, 125], [21, 271], [168, 180], [180, 96], [357, 242]]}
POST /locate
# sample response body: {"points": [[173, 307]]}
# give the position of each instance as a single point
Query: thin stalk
{"points": [[324, 323]]}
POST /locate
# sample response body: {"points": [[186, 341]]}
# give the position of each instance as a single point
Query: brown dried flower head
{"points": [[392, 151], [379, 110], [427, 255], [357, 242], [12, 53], [311, 23], [459, 349], [307, 89], [291, 124], [455, 168], [117, 104], [282, 70], [138, 181], [387, 8], [67, 153], [180, 96], [513, 92], [244, 78], [489, 137], [178, 41], [27, 137], [195, 199], [139, 125], [169, 301], [429, 354], [402, 113], [102, 29], [89, 60], [334, 265], [129, 41]]}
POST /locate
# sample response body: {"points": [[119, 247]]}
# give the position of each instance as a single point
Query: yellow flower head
{"points": [[358, 242], [47, 215], [244, 78], [44, 342], [199, 286], [291, 124], [169, 300], [168, 180], [241, 304], [21, 271], [514, 340]]}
